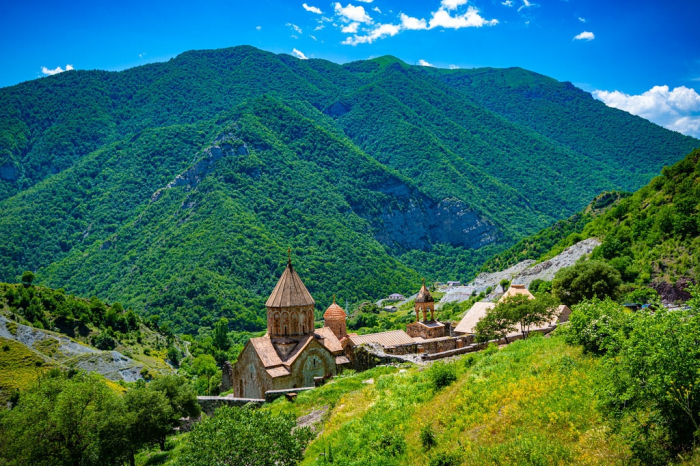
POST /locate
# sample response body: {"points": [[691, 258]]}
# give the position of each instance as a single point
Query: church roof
{"points": [[424, 295], [472, 317], [389, 338], [334, 311], [514, 290], [290, 291]]}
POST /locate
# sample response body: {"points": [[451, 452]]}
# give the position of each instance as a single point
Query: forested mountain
{"points": [[649, 236], [177, 187]]}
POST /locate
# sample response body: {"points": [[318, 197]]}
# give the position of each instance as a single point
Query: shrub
{"points": [[253, 437], [444, 459], [427, 437], [599, 326], [442, 374], [586, 280]]}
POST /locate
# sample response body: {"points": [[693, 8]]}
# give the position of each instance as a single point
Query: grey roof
{"points": [[390, 338], [424, 295], [290, 291]]}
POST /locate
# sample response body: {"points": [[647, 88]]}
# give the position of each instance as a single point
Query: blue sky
{"points": [[624, 52]]}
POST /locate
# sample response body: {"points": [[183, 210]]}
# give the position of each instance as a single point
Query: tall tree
{"points": [[220, 336]]}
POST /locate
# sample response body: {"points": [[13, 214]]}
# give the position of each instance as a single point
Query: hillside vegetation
{"points": [[175, 188], [650, 236]]}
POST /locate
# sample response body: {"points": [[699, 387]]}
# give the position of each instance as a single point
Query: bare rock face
{"points": [[522, 273], [671, 294], [547, 269], [413, 221]]}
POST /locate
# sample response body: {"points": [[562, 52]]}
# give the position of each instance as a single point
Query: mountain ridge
{"points": [[374, 173]]}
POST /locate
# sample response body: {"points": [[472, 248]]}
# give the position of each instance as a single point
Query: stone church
{"points": [[292, 353]]}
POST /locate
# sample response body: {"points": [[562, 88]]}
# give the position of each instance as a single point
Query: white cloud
{"points": [[527, 4], [442, 18], [313, 37], [379, 32], [585, 35], [471, 18], [258, 28], [507, 3], [677, 109], [454, 67], [141, 55], [583, 20], [58, 69], [350, 28], [352, 13], [318, 28], [452, 4], [422, 62], [300, 55], [376, 8], [365, 1], [295, 27], [407, 22], [312, 9]]}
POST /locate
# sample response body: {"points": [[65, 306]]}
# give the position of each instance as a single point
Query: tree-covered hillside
{"points": [[651, 235], [177, 187]]}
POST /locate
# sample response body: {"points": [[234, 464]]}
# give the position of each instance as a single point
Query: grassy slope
{"points": [[532, 402], [19, 367]]}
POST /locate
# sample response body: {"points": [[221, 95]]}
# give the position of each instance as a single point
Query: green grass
{"points": [[19, 367], [533, 402], [153, 456]]}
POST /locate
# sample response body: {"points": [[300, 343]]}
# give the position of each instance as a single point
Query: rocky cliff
{"points": [[414, 221]]}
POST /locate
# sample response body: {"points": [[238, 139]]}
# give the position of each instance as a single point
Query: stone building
{"points": [[292, 354], [428, 328]]}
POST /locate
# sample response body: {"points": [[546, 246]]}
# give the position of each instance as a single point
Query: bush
{"points": [[252, 437], [586, 280], [445, 459], [655, 380], [599, 326], [427, 437], [442, 374], [104, 341]]}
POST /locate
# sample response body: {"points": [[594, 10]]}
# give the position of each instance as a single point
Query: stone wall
{"points": [[272, 395], [427, 330], [436, 345], [369, 355]]}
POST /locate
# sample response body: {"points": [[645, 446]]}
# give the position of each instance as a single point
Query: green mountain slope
{"points": [[651, 235], [177, 187]]}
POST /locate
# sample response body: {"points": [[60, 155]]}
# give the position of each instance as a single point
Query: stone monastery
{"points": [[293, 354]]}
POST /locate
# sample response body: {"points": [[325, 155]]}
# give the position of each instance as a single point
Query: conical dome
{"points": [[290, 291], [424, 295], [334, 311]]}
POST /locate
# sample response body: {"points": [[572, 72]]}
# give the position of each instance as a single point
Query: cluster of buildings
{"points": [[293, 354]]}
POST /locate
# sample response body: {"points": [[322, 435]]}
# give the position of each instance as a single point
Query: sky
{"points": [[640, 56]]}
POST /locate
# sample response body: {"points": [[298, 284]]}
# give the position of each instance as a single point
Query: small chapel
{"points": [[293, 354]]}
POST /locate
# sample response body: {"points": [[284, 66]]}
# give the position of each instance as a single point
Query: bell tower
{"points": [[424, 302]]}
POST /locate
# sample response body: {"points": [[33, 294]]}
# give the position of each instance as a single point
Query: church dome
{"points": [[334, 312]]}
